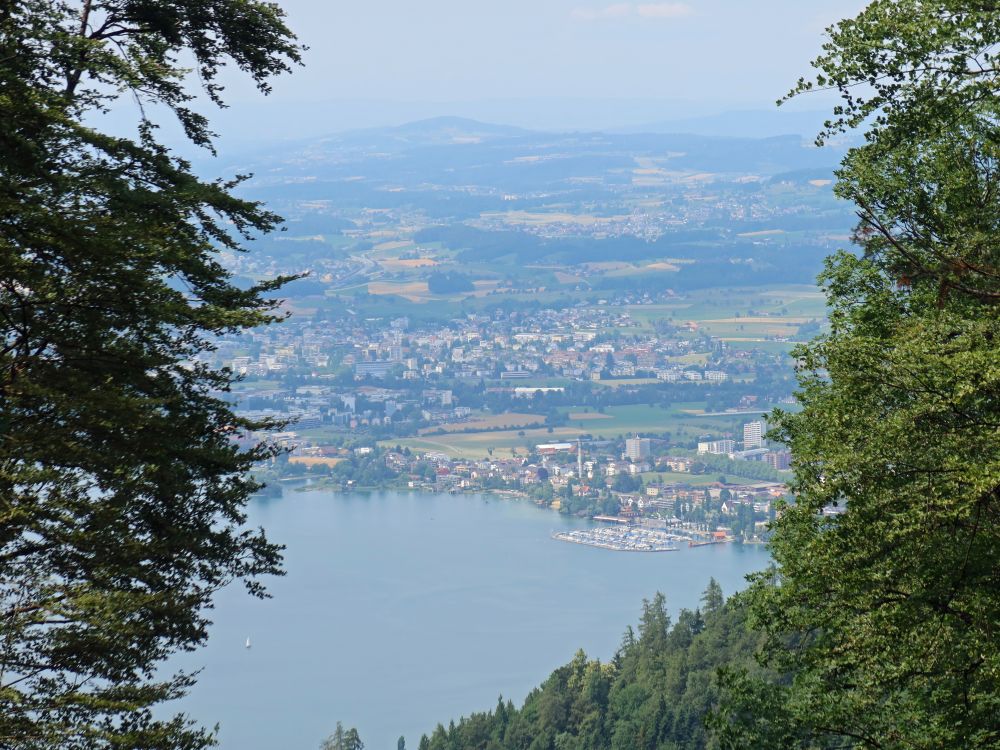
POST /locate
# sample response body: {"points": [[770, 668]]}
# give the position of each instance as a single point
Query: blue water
{"points": [[402, 610]]}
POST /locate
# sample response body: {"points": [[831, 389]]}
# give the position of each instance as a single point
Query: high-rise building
{"points": [[637, 448], [717, 447], [780, 460], [753, 434]]}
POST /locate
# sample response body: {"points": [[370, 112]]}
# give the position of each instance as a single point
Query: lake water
{"points": [[402, 610]]}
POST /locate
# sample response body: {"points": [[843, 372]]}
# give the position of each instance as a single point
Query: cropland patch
{"points": [[762, 233], [405, 263], [490, 422], [527, 218], [407, 289]]}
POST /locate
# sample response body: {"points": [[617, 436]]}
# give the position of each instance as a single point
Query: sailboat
{"points": [[248, 642]]}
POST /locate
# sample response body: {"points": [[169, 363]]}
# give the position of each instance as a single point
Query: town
{"points": [[452, 331], [571, 407]]}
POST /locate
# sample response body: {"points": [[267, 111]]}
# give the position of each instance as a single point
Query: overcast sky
{"points": [[739, 52]]}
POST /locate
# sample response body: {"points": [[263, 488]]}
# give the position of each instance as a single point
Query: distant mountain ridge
{"points": [[449, 130], [749, 124], [754, 123], [443, 130]]}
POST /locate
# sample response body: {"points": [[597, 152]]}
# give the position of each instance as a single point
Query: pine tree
{"points": [[346, 739], [121, 491]]}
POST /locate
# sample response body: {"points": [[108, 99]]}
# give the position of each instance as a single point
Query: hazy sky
{"points": [[738, 52]]}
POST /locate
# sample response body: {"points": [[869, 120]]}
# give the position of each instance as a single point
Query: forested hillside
{"points": [[654, 693]]}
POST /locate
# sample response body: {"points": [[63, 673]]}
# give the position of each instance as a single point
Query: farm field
{"points": [[527, 218], [398, 264], [411, 290], [750, 344], [677, 477], [488, 422], [763, 311], [745, 319], [683, 421], [775, 305]]}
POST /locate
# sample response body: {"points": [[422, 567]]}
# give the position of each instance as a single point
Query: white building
{"points": [[753, 434], [637, 448], [717, 447]]}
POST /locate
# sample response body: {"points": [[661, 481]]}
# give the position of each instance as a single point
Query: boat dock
{"points": [[710, 542], [621, 539]]}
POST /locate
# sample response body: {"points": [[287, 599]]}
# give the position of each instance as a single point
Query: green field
{"points": [[769, 347], [615, 422], [775, 309], [676, 477], [783, 307]]}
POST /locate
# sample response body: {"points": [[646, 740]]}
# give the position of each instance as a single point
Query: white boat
{"points": [[248, 642]]}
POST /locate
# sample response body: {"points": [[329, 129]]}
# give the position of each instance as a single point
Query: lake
{"points": [[402, 610]]}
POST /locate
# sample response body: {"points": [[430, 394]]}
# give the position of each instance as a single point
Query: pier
{"points": [[621, 539]]}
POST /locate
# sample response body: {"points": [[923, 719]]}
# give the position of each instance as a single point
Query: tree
{"points": [[626, 483], [712, 598], [449, 282], [345, 739], [883, 614], [652, 694], [121, 491]]}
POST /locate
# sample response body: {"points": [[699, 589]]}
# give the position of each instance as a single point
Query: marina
{"points": [[621, 538]]}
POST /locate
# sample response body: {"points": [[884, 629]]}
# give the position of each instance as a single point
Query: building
{"points": [[753, 454], [753, 434], [437, 396], [780, 460], [309, 420], [547, 449], [375, 369], [637, 448], [717, 447]]}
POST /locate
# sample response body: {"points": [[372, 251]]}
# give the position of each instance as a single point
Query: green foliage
{"points": [[449, 282], [346, 739], [904, 67], [121, 492], [883, 617], [708, 463], [653, 694], [627, 483], [366, 471]]}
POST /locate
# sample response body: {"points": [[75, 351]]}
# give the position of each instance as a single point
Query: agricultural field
{"points": [[685, 422], [411, 290], [676, 477], [407, 264], [744, 318], [488, 422], [544, 218], [770, 306]]}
